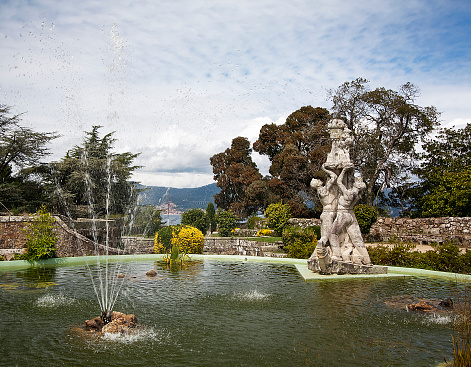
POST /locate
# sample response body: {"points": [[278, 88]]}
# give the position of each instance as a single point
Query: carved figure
{"points": [[345, 219], [328, 197], [341, 248]]}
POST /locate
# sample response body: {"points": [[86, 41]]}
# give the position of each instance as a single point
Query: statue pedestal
{"points": [[341, 267]]}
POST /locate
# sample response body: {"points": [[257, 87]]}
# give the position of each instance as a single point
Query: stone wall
{"points": [[422, 230], [70, 243], [304, 222], [138, 245]]}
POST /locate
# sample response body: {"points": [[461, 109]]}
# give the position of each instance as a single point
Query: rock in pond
{"points": [[151, 273], [120, 323]]}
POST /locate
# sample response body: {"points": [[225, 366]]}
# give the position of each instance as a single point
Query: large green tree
{"points": [[234, 170], [92, 176], [21, 149], [296, 150], [387, 126], [444, 185]]}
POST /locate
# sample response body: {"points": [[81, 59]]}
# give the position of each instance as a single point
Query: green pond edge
{"points": [[300, 264]]}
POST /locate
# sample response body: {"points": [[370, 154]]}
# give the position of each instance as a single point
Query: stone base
{"points": [[119, 323], [342, 267]]}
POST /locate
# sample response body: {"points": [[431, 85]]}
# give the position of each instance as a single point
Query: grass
{"points": [[262, 239]]}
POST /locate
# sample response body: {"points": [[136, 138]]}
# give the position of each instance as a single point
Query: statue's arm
{"points": [[332, 175]]}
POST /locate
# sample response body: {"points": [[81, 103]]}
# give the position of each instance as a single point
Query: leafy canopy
{"points": [[90, 175]]}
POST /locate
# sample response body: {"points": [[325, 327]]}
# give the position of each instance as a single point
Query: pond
{"points": [[221, 313]]}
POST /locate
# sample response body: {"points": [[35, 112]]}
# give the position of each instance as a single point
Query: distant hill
{"points": [[184, 199]]}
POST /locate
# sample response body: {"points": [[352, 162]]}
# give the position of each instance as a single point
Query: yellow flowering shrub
{"points": [[190, 240], [264, 232]]}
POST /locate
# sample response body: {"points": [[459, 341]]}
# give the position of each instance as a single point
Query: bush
{"points": [[40, 237], [299, 243], [189, 240], [446, 257], [179, 240], [277, 215], [226, 221], [366, 216], [196, 218]]}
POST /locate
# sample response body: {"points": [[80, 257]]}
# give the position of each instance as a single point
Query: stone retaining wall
{"points": [[422, 230]]}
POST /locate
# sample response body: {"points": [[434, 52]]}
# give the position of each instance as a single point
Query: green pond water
{"points": [[220, 313]]}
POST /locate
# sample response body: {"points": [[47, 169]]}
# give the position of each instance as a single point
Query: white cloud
{"points": [[178, 80]]}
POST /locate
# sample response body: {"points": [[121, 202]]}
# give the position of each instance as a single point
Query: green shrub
{"points": [[446, 257], [226, 221], [299, 243], [196, 218], [40, 237], [316, 229], [366, 216], [278, 215]]}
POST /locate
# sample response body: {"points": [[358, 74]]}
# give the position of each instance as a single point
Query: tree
{"points": [[196, 218], [296, 151], [444, 186], [226, 221], [91, 172], [387, 125], [21, 149], [234, 170], [211, 214]]}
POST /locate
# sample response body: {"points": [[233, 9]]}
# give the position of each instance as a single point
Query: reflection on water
{"points": [[222, 313]]}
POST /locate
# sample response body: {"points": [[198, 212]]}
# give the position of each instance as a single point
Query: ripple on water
{"points": [[437, 319], [251, 296], [54, 300]]}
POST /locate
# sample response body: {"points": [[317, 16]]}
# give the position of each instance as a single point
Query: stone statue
{"points": [[345, 220], [341, 248], [328, 196]]}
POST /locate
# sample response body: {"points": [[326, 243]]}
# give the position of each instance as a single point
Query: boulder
{"points": [[447, 302], [421, 306], [151, 273], [95, 324], [120, 323]]}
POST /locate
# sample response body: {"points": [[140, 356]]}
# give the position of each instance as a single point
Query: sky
{"points": [[177, 80]]}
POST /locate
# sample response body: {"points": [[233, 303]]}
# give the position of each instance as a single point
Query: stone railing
{"points": [[422, 230]]}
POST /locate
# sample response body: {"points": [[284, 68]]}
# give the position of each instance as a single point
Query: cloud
{"points": [[178, 80]]}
